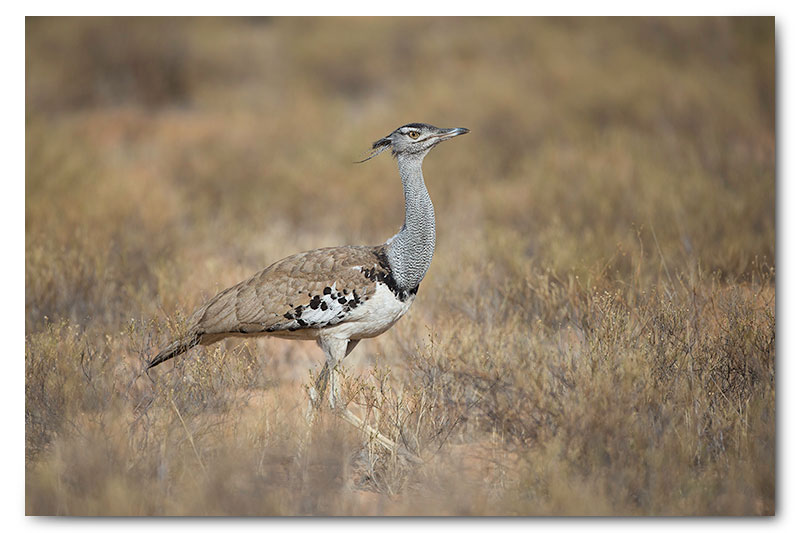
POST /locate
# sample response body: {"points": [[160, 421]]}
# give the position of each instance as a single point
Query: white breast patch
{"points": [[373, 316]]}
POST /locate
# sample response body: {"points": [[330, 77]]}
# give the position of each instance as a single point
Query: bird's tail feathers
{"points": [[175, 348]]}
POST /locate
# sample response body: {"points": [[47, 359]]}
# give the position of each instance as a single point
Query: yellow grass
{"points": [[596, 334]]}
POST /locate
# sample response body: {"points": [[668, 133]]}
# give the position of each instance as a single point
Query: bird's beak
{"points": [[452, 132]]}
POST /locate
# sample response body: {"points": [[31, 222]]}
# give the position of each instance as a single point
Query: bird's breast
{"points": [[375, 315]]}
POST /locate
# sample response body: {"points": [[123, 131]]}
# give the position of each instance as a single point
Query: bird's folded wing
{"points": [[309, 290]]}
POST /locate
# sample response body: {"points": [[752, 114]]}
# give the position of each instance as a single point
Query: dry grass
{"points": [[596, 334]]}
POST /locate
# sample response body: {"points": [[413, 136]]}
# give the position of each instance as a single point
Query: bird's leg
{"points": [[340, 408], [319, 388], [332, 363], [353, 419], [321, 383], [379, 437], [334, 395], [332, 347]]}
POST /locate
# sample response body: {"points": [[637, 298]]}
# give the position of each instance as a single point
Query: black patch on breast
{"points": [[383, 274]]}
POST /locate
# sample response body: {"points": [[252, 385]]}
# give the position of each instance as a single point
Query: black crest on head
{"points": [[381, 143], [377, 147]]}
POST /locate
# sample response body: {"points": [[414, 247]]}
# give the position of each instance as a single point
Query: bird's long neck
{"points": [[410, 252]]}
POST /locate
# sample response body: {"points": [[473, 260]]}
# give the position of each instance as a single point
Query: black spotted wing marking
{"points": [[322, 310]]}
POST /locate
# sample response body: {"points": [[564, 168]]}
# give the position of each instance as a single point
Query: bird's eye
{"points": [[413, 134]]}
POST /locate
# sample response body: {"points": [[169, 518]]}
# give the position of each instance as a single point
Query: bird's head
{"points": [[413, 139]]}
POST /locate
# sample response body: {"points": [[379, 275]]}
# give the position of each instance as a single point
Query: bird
{"points": [[335, 296]]}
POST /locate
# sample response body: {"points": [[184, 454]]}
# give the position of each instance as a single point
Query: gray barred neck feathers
{"points": [[410, 251]]}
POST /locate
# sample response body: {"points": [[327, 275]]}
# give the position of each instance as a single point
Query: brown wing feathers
{"points": [[313, 289]]}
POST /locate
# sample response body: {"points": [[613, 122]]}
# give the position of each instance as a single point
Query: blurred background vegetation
{"points": [[596, 332]]}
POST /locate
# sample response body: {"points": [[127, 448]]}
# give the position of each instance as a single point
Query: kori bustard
{"points": [[335, 296]]}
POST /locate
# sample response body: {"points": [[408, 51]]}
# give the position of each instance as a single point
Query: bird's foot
{"points": [[378, 437]]}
